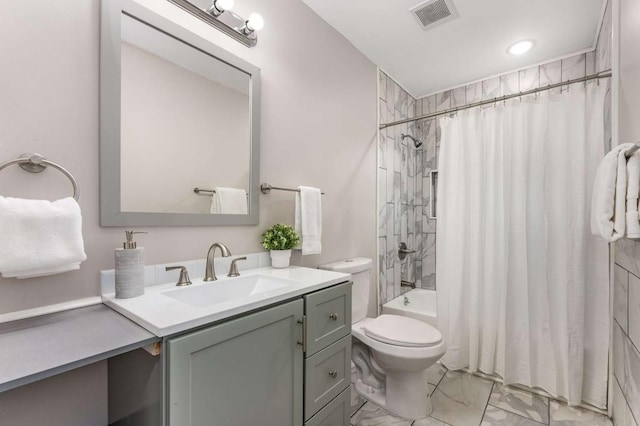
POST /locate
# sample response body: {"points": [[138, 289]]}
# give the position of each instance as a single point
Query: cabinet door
{"points": [[247, 371]]}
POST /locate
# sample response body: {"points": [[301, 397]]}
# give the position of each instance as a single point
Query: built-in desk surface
{"points": [[35, 348]]}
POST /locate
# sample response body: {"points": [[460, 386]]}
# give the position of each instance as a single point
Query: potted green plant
{"points": [[280, 239]]}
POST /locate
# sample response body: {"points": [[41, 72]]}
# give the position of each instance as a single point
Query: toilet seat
{"points": [[402, 331]]}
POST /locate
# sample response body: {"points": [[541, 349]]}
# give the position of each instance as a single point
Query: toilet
{"points": [[391, 352]]}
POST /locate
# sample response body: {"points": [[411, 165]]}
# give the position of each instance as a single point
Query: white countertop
{"points": [[163, 315]]}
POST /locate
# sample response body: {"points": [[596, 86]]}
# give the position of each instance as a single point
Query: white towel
{"points": [[308, 220], [39, 237], [229, 201], [609, 195], [633, 189]]}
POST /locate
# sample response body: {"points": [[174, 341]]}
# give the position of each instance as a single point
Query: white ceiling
{"points": [[471, 47]]}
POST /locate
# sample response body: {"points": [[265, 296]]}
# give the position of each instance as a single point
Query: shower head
{"points": [[416, 142]]}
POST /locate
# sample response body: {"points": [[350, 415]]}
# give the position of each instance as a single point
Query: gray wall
{"points": [[626, 291], [318, 128]]}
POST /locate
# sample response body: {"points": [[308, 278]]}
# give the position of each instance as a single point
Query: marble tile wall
{"points": [[396, 188], [626, 333]]}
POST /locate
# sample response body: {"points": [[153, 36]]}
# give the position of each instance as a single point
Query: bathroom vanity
{"points": [[279, 356]]}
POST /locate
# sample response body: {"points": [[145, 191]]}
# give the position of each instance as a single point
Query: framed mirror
{"points": [[179, 125]]}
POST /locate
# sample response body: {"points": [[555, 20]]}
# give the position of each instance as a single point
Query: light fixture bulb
{"points": [[255, 22], [224, 4], [520, 47], [218, 7]]}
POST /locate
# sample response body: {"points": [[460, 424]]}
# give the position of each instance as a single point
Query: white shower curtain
{"points": [[522, 285]]}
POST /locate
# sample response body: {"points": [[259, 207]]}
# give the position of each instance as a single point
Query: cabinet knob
{"points": [[334, 317], [333, 374]]}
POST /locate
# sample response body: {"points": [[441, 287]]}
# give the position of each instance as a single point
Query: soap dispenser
{"points": [[129, 268]]}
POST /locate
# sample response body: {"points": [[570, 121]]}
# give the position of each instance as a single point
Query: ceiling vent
{"points": [[433, 13]]}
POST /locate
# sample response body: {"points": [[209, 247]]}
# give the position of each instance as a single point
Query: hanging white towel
{"points": [[229, 201], [308, 220], [39, 237], [633, 189], [608, 212]]}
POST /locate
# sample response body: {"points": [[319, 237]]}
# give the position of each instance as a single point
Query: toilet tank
{"points": [[360, 270]]}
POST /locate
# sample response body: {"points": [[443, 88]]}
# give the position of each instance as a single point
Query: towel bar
{"points": [[628, 153], [266, 188], [202, 191], [36, 163]]}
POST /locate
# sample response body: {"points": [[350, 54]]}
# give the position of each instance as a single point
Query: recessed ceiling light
{"points": [[520, 47]]}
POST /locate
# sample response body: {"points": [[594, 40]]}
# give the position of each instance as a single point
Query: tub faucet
{"points": [[406, 301], [210, 270]]}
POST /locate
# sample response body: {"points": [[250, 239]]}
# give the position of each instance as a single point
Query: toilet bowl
{"points": [[391, 352]]}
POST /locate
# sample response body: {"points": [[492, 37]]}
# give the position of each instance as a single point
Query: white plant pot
{"points": [[280, 258]]}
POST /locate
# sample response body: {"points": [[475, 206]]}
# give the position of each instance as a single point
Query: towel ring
{"points": [[36, 163]]}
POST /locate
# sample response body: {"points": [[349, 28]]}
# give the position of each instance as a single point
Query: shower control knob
{"points": [[334, 317], [333, 374]]}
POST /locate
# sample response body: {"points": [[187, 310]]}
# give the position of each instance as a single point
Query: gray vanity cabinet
{"points": [[246, 371], [289, 364]]}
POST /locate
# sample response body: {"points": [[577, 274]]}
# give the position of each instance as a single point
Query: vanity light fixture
{"points": [[220, 16], [520, 47]]}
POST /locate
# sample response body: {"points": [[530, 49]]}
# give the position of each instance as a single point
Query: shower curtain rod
{"points": [[602, 74]]}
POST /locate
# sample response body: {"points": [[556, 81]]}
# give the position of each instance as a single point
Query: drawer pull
{"points": [[333, 374], [304, 333], [334, 317]]}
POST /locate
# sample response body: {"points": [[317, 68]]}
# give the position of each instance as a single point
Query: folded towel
{"points": [[39, 237], [308, 220], [229, 201], [633, 189], [609, 195]]}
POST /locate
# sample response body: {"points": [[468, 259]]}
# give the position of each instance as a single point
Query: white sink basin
{"points": [[165, 309], [215, 292]]}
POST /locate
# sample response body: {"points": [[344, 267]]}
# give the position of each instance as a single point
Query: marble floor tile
{"points": [[429, 421], [372, 415], [431, 388], [495, 416], [356, 400], [460, 399], [520, 402], [563, 415], [435, 373]]}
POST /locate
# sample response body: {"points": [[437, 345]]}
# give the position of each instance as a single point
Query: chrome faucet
{"points": [[210, 271]]}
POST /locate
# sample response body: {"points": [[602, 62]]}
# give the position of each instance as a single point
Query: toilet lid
{"points": [[402, 331]]}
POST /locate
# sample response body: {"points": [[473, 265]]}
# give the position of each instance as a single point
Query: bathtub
{"points": [[421, 306]]}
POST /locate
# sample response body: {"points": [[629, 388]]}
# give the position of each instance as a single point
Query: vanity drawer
{"points": [[328, 316], [327, 374], [335, 413]]}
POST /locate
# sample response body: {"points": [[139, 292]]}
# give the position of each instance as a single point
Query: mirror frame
{"points": [[110, 168]]}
